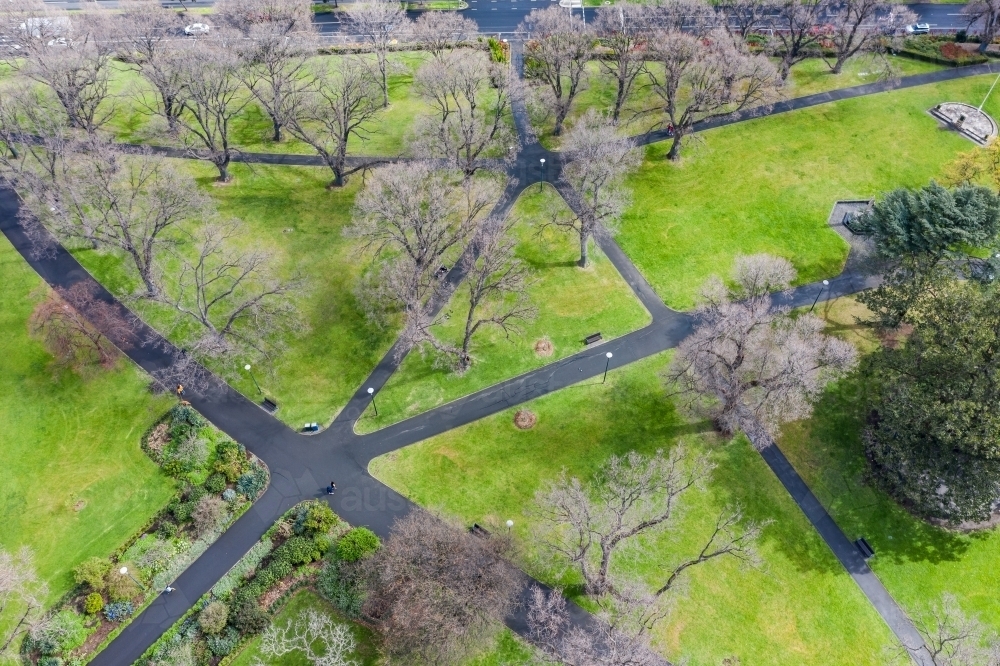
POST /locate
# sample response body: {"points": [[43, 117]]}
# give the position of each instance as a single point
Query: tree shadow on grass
{"points": [[828, 452]]}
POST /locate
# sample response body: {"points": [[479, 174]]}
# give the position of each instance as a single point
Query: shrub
{"points": [[184, 422], [223, 643], [118, 611], [228, 495], [208, 514], [93, 603], [252, 483], [356, 544], [340, 588], [182, 511], [215, 483], [242, 570], [247, 615], [213, 617], [319, 519], [230, 459], [167, 530], [121, 587], [174, 467], [61, 632], [297, 550], [50, 661], [92, 571]]}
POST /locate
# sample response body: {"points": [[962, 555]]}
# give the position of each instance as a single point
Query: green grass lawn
{"points": [[768, 185], [251, 129], [76, 484], [807, 77], [288, 211], [917, 562], [800, 609], [572, 303]]}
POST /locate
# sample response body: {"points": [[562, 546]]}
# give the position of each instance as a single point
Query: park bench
{"points": [[479, 531], [592, 338], [866, 549], [269, 405]]}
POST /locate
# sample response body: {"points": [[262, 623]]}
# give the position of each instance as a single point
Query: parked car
{"points": [[197, 29], [918, 29]]}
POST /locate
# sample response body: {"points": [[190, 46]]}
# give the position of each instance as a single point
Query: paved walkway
{"points": [[301, 466]]}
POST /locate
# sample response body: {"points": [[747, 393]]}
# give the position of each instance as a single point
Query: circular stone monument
{"points": [[967, 120]]}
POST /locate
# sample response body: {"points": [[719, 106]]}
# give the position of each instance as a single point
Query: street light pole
{"points": [[124, 571], [606, 366], [371, 392], [543, 175], [826, 283], [247, 368], [510, 524]]}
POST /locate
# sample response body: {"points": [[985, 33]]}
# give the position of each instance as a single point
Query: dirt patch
{"points": [[80, 504], [524, 419], [95, 638], [276, 592], [892, 339], [544, 348]]}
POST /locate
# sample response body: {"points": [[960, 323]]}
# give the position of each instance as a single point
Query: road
{"points": [[500, 16]]}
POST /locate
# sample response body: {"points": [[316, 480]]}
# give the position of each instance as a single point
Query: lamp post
{"points": [[606, 366], [826, 283], [124, 571], [371, 392], [247, 368], [510, 524], [543, 174]]}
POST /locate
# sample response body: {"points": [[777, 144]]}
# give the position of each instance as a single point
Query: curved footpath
{"points": [[301, 466]]}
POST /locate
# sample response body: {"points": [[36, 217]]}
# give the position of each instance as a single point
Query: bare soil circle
{"points": [[543, 348], [524, 419]]}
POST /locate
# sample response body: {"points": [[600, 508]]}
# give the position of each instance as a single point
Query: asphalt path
{"points": [[301, 466]]}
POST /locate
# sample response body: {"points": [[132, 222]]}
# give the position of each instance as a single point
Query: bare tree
{"points": [[793, 33], [209, 514], [748, 362], [632, 496], [745, 17], [434, 590], [497, 283], [599, 160], [985, 14], [213, 95], [233, 295], [339, 105], [624, 28], [128, 201], [22, 598], [380, 22], [38, 139], [864, 26], [321, 640], [471, 97], [80, 328], [440, 32], [73, 59], [410, 215], [952, 638], [284, 16], [611, 641], [557, 52], [275, 69], [147, 30], [698, 79]]}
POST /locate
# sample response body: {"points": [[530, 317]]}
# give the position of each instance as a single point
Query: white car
{"points": [[58, 41], [197, 29], [918, 29]]}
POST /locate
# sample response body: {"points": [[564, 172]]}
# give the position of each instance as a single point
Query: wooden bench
{"points": [[479, 531], [592, 338], [269, 405], [866, 549]]}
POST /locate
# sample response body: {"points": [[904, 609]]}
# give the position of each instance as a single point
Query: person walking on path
{"points": [[331, 489], [180, 390]]}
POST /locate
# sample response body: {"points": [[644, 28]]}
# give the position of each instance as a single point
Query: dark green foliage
{"points": [[215, 483], [246, 614], [337, 582], [181, 510], [933, 439], [92, 572], [50, 661], [931, 221], [118, 611], [319, 519], [184, 423], [297, 550], [223, 643], [252, 483], [356, 544], [194, 494], [167, 530], [230, 459]]}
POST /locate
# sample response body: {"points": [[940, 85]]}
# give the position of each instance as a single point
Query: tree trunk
{"points": [[619, 101], [839, 65], [223, 166], [675, 147], [584, 237], [151, 290], [277, 130], [338, 179], [784, 69]]}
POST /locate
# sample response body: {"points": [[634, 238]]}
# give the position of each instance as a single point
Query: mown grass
{"points": [[289, 212], [916, 561], [801, 608], [76, 484], [806, 78], [768, 185], [572, 302]]}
